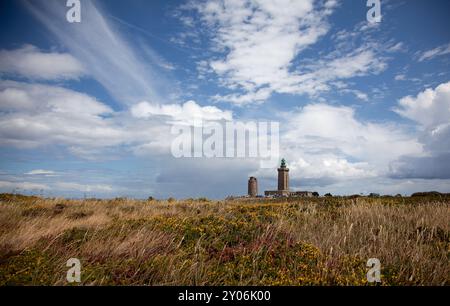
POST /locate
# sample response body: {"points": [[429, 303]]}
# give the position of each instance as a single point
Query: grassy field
{"points": [[317, 241]]}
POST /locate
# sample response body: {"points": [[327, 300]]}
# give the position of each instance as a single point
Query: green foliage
{"points": [[74, 236], [31, 267]]}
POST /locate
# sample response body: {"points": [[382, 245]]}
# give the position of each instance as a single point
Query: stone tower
{"points": [[283, 177], [252, 187]]}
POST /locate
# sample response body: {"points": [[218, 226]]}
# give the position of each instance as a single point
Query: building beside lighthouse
{"points": [[252, 187]]}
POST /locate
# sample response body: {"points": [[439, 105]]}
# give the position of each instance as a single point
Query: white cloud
{"points": [[329, 167], [83, 187], [430, 109], [325, 143], [10, 186], [33, 98], [400, 77], [107, 55], [32, 63], [361, 95], [326, 72], [398, 47], [358, 94], [54, 115], [186, 112], [44, 115], [40, 172], [328, 128], [257, 49], [438, 51], [258, 96], [14, 99], [154, 128], [261, 37], [256, 45]]}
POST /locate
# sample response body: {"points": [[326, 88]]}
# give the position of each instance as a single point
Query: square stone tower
{"points": [[283, 177]]}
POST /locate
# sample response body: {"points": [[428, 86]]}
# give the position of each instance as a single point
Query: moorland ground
{"points": [[311, 241]]}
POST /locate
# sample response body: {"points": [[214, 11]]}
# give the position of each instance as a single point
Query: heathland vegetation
{"points": [[314, 241]]}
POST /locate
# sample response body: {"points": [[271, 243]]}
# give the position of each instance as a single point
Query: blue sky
{"points": [[86, 108]]}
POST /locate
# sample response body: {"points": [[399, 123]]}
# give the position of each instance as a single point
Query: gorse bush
{"points": [[311, 241]]}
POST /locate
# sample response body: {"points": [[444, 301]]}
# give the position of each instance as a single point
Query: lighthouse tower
{"points": [[283, 178], [283, 186], [283, 183]]}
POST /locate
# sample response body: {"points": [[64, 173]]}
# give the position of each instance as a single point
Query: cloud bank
{"points": [[30, 62]]}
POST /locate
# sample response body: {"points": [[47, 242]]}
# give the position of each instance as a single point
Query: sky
{"points": [[87, 108]]}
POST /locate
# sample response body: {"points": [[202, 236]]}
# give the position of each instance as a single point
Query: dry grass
{"points": [[324, 241]]}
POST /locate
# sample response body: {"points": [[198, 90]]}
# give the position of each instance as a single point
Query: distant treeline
{"points": [[429, 193]]}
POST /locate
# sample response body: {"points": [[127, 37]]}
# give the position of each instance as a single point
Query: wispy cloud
{"points": [[10, 186], [83, 187], [430, 54], [99, 45], [40, 172]]}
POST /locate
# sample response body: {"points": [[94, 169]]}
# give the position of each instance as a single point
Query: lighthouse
{"points": [[283, 177], [283, 186], [283, 182]]}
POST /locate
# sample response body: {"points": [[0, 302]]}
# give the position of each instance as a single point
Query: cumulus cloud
{"points": [[53, 115], [30, 62], [186, 112], [36, 115], [256, 50], [430, 109], [156, 121], [325, 144], [326, 128]]}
